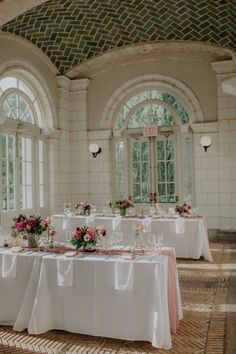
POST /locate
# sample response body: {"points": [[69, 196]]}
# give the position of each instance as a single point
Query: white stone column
{"points": [[78, 126], [225, 71], [206, 173]]}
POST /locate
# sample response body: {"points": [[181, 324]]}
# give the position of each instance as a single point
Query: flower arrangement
{"points": [[86, 237], [67, 205], [183, 210], [84, 208], [122, 205], [33, 224], [125, 203]]}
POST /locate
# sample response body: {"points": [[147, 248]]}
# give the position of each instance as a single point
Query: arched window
{"points": [[23, 147], [157, 167]]}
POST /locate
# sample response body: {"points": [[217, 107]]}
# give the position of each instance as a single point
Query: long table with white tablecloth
{"points": [[93, 294], [188, 236]]}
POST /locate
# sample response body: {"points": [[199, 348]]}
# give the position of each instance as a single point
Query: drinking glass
{"points": [[152, 241], [93, 210], [117, 212], [159, 244], [152, 211]]}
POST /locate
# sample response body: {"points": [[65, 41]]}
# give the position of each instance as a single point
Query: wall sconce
{"points": [[94, 149], [205, 141]]}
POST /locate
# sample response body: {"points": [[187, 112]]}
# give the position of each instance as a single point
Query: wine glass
{"points": [[152, 241], [152, 211], [68, 238], [93, 210], [117, 237], [159, 244]]}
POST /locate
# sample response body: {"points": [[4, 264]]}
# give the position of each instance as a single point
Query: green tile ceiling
{"points": [[71, 31]]}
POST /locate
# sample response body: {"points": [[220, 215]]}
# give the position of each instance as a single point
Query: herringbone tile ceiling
{"points": [[72, 31]]}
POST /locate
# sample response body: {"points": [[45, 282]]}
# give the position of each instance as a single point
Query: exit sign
{"points": [[150, 130]]}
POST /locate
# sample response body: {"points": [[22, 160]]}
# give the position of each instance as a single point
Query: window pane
{"points": [[4, 173], [8, 82], [169, 149], [11, 146], [120, 169], [145, 192], [12, 198], [170, 171], [4, 197], [161, 192], [29, 197], [160, 150], [41, 174], [170, 189], [145, 172], [161, 171], [3, 145], [28, 156], [140, 170], [8, 171], [136, 173], [28, 173], [144, 151], [136, 193], [136, 151], [26, 177]]}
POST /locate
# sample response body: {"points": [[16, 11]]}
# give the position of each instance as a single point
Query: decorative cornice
{"points": [[207, 127], [224, 67]]}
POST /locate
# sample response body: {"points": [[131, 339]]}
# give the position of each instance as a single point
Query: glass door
{"points": [[153, 170]]}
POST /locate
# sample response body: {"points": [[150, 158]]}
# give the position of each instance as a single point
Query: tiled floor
{"points": [[208, 292]]}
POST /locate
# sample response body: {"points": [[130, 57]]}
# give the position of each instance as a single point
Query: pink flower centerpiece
{"points": [[31, 226], [122, 205], [84, 208], [86, 237], [184, 210]]}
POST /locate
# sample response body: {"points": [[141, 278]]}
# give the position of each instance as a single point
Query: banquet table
{"points": [[188, 236], [95, 294]]}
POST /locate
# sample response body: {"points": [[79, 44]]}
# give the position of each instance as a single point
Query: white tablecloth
{"points": [[13, 288], [188, 236], [99, 295]]}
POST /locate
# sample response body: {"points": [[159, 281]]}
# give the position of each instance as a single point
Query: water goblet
{"points": [[152, 243], [93, 210], [159, 243]]}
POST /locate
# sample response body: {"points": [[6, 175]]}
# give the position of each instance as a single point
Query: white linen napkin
{"points": [[65, 222], [90, 221], [147, 226], [180, 226], [124, 272], [116, 224], [65, 272], [9, 263]]}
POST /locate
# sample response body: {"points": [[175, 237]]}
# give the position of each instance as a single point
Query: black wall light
{"points": [[94, 149], [205, 141]]}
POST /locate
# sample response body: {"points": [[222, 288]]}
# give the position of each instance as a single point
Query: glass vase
{"points": [[32, 240], [123, 212]]}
